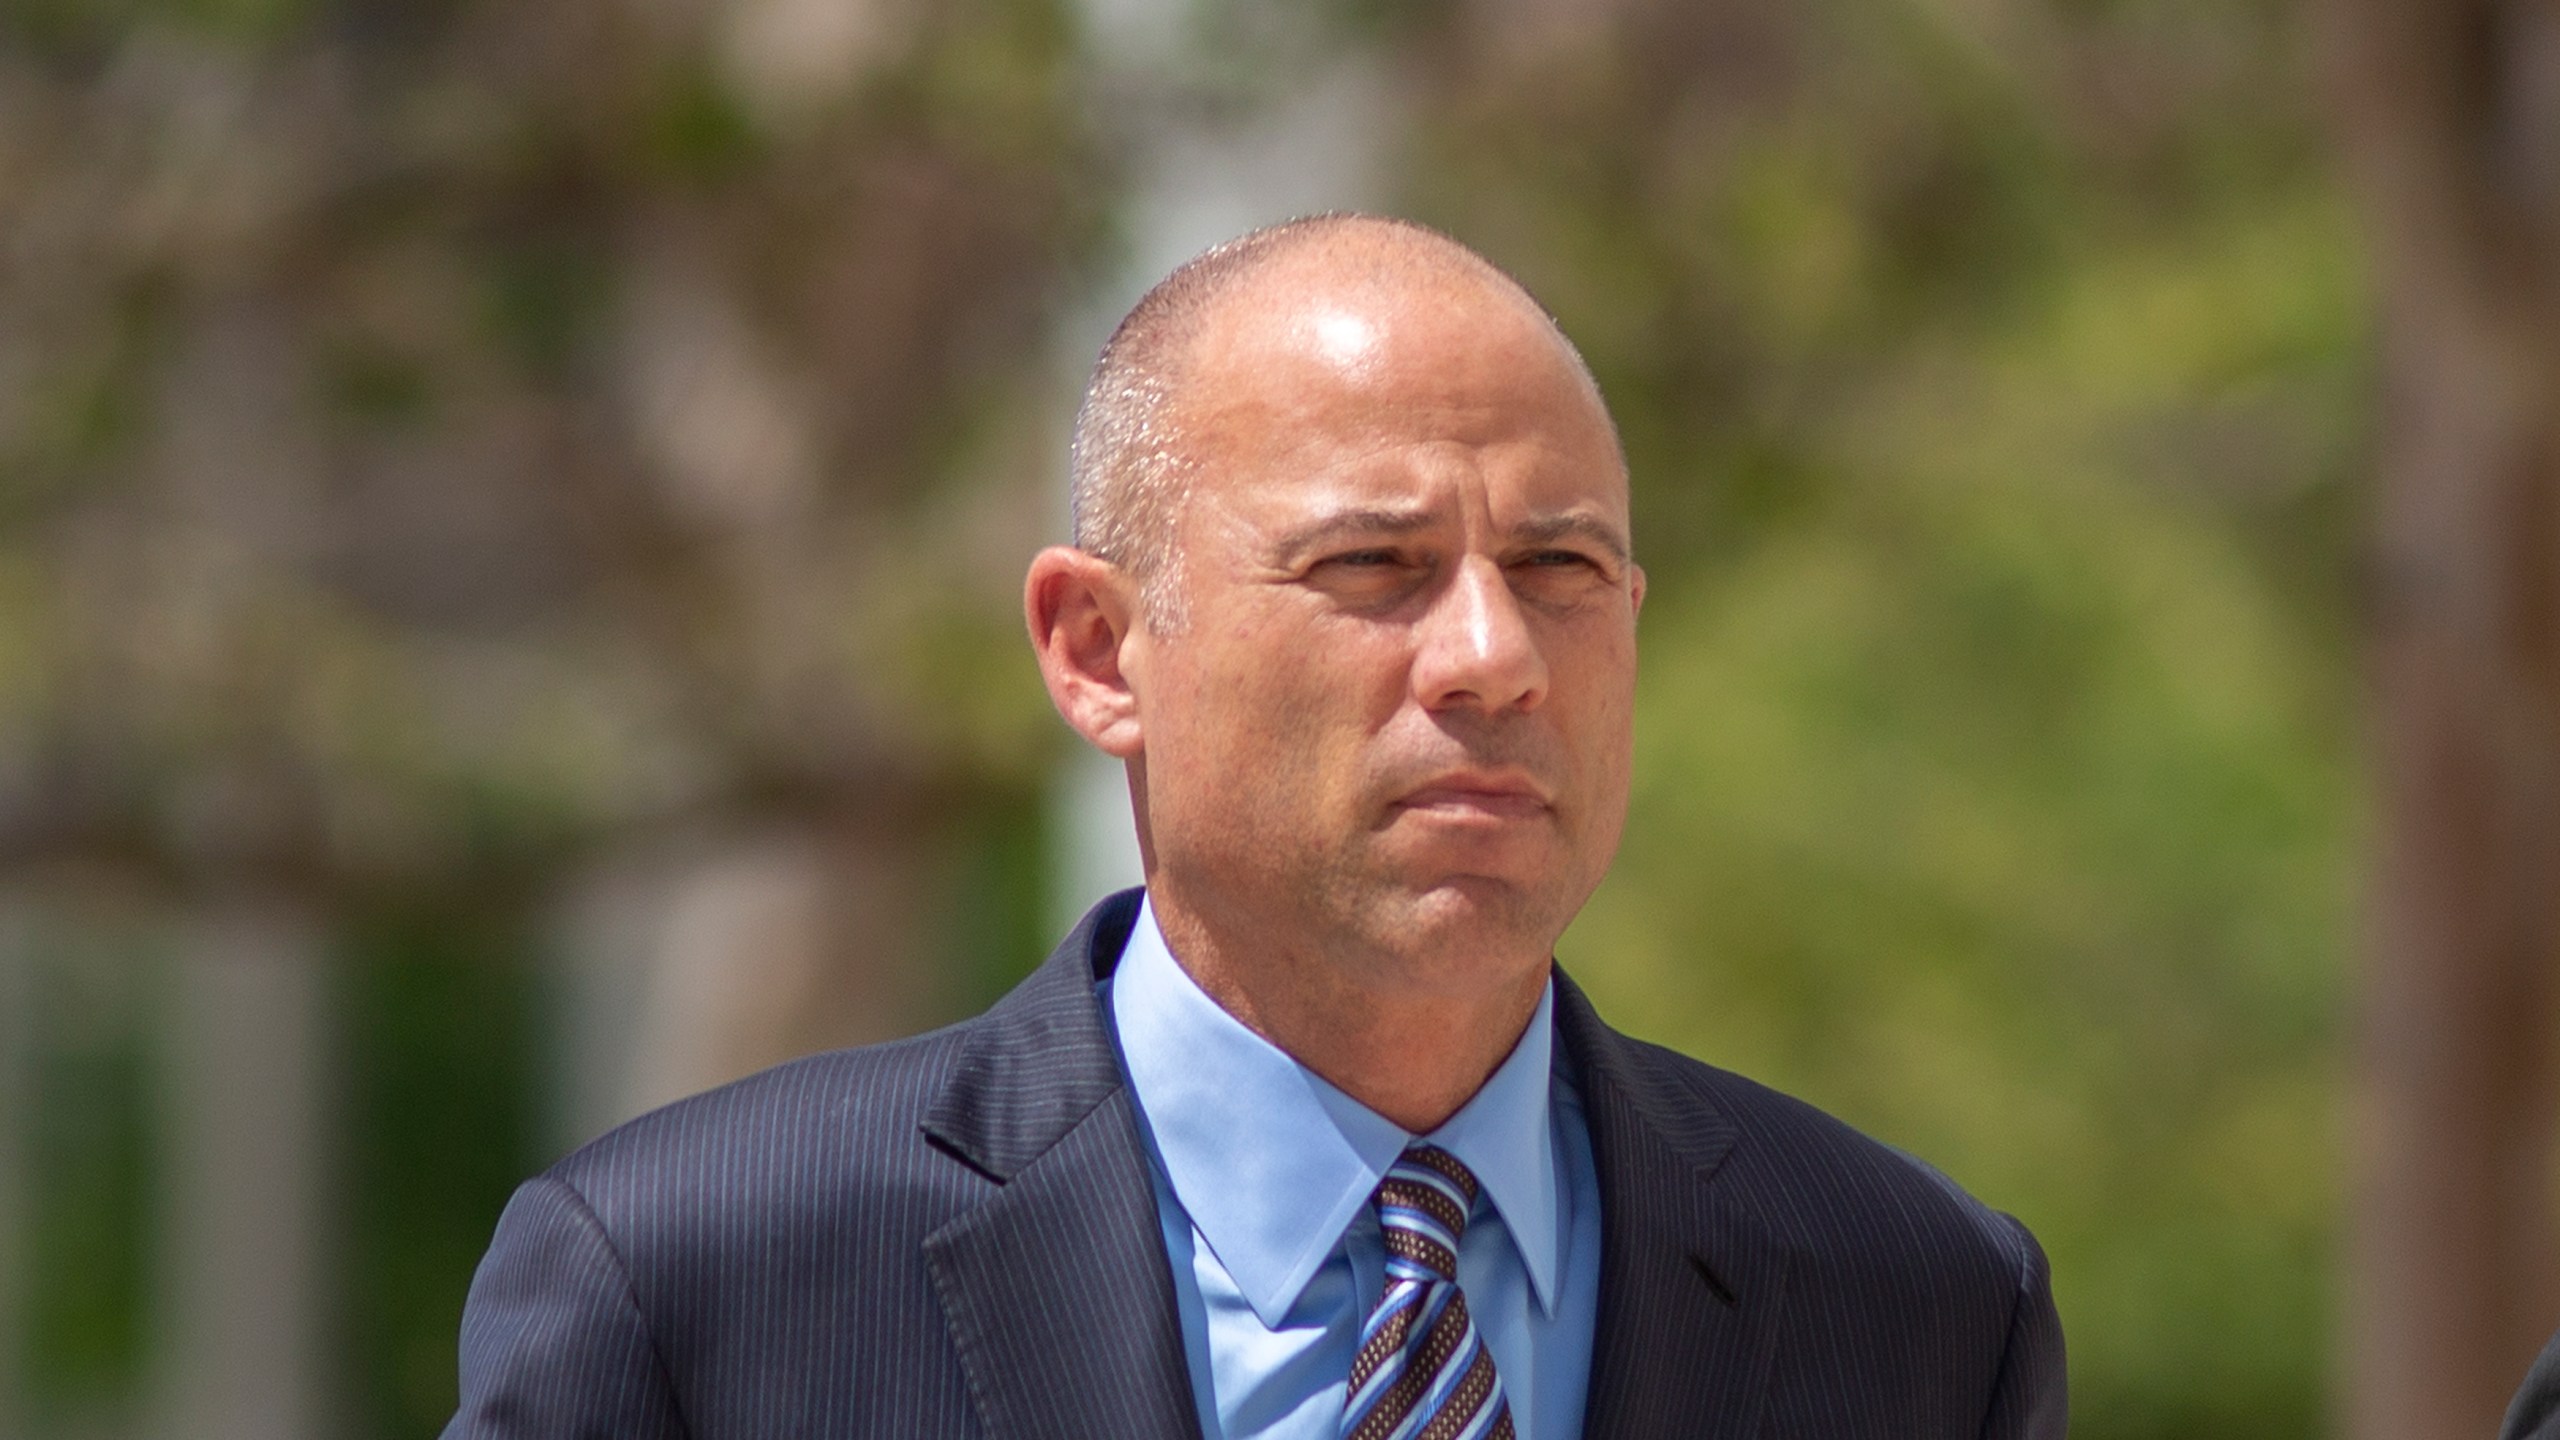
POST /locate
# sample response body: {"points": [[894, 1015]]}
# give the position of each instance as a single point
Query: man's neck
{"points": [[1413, 1054]]}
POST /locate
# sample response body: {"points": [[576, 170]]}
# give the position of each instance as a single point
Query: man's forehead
{"points": [[1312, 358], [1336, 298], [1375, 378]]}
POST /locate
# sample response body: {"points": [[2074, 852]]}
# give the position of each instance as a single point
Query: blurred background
{"points": [[512, 516]]}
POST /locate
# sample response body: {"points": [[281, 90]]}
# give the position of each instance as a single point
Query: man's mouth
{"points": [[1503, 795]]}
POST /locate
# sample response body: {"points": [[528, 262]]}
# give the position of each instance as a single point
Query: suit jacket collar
{"points": [[1060, 1298], [1039, 1061]]}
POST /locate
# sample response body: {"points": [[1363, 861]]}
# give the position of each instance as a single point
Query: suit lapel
{"points": [[1056, 1287], [1692, 1280]]}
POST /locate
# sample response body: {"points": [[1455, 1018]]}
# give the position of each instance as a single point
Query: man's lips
{"points": [[1507, 797]]}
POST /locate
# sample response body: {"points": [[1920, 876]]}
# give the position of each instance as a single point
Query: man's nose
{"points": [[1475, 647]]}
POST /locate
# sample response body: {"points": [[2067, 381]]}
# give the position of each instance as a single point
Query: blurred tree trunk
{"points": [[243, 1200], [695, 963], [17, 1081], [2450, 112]]}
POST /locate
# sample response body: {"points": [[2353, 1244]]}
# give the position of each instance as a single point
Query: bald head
{"points": [[1134, 460]]}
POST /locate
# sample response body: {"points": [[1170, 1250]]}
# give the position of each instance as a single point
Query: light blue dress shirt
{"points": [[1264, 1175]]}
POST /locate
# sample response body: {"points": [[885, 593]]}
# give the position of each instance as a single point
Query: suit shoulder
{"points": [[1893, 1274], [772, 1140], [1848, 1193]]}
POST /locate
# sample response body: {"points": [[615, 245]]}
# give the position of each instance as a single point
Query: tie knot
{"points": [[1422, 1207]]}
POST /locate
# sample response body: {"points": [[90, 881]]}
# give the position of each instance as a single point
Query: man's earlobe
{"points": [[1082, 612]]}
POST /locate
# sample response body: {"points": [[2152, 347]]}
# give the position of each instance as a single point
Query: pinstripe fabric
{"points": [[954, 1236], [2535, 1412]]}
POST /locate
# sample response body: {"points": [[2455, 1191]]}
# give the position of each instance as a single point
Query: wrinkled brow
{"points": [[1356, 524]]}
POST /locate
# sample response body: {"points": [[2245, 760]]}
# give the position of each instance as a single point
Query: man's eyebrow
{"points": [[1348, 524], [1551, 528], [1377, 523]]}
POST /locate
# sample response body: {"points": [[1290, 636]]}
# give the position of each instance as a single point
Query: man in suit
{"points": [[1309, 1138]]}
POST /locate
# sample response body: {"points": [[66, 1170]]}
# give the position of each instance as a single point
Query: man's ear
{"points": [[1082, 611]]}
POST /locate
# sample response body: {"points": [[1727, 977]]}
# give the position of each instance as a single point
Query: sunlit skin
{"points": [[1383, 759]]}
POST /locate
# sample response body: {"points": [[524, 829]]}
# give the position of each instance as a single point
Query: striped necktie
{"points": [[1422, 1372]]}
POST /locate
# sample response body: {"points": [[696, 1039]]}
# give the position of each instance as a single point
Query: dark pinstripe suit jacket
{"points": [[956, 1236], [2535, 1412]]}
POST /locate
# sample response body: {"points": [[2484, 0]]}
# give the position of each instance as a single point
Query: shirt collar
{"points": [[1271, 1162]]}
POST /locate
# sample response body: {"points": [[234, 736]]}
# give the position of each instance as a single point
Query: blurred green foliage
{"points": [[443, 443], [439, 1117], [88, 1207]]}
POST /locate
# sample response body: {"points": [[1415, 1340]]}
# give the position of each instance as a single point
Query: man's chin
{"points": [[1429, 852], [1487, 912]]}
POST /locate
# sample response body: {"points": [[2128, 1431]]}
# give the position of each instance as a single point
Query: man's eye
{"points": [[1555, 558], [1369, 576]]}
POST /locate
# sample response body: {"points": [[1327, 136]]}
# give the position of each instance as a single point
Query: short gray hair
{"points": [[1130, 472]]}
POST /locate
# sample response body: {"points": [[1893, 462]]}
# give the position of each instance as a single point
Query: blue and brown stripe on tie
{"points": [[1422, 1372]]}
